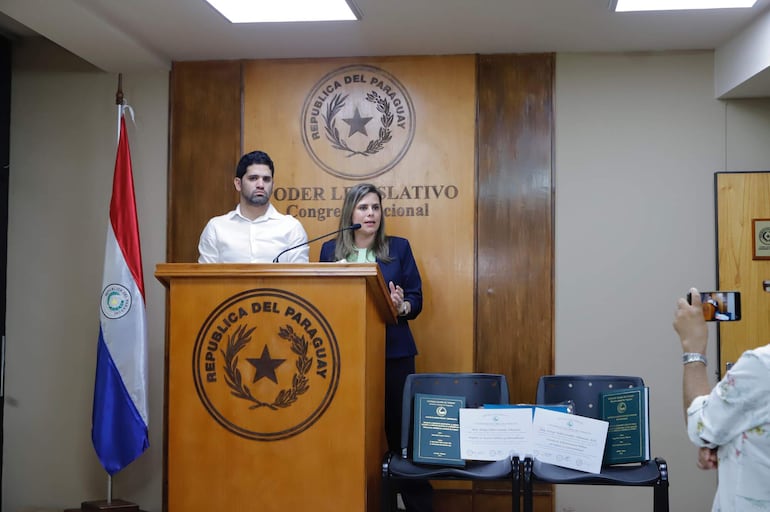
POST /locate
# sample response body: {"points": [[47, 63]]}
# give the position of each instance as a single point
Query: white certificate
{"points": [[569, 440], [495, 434]]}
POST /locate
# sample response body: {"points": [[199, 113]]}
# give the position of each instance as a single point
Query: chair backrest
{"points": [[582, 390], [477, 388]]}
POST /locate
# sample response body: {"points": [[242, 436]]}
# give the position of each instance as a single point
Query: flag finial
{"points": [[119, 94]]}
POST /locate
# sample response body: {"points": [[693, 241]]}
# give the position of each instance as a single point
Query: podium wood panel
{"points": [[228, 445]]}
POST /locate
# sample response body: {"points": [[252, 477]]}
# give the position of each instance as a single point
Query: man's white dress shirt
{"points": [[232, 238]]}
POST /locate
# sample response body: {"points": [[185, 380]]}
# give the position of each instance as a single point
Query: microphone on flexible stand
{"points": [[352, 227]]}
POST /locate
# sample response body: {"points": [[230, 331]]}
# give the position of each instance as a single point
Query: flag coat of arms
{"points": [[120, 420]]}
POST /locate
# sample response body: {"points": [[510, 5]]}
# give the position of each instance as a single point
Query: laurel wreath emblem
{"points": [[334, 107], [234, 379]]}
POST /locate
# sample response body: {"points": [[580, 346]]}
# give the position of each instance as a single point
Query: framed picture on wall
{"points": [[761, 241]]}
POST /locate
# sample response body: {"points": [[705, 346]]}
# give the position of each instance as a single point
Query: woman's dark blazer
{"points": [[402, 271]]}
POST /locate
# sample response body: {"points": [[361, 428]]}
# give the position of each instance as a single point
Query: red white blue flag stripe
{"points": [[120, 420]]}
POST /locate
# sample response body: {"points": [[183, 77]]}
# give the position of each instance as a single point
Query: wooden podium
{"points": [[274, 386]]}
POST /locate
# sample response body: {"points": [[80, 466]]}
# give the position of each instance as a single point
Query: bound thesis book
{"points": [[628, 436], [437, 429]]}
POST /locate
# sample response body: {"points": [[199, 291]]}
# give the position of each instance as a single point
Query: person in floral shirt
{"points": [[731, 422]]}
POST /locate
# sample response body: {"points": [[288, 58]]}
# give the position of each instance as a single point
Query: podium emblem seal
{"points": [[266, 364]]}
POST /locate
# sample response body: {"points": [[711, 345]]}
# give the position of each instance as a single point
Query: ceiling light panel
{"points": [[265, 11], [677, 5]]}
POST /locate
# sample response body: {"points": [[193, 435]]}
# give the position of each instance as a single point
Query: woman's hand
{"points": [[707, 458], [690, 325], [397, 297]]}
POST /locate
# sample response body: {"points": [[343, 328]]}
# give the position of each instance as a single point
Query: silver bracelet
{"points": [[694, 357]]}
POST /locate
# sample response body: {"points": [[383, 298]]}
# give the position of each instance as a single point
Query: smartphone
{"points": [[720, 306]]}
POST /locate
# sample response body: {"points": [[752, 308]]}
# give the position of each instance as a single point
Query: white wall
{"points": [[638, 139], [63, 141]]}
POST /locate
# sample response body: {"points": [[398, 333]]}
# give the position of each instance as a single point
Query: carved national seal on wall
{"points": [[357, 122], [266, 364]]}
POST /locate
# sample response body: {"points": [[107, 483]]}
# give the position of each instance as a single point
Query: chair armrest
{"points": [[386, 464], [662, 469]]}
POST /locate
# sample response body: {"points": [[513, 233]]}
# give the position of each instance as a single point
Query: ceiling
{"points": [[131, 35]]}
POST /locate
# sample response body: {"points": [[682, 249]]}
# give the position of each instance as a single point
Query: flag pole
{"points": [[119, 100]]}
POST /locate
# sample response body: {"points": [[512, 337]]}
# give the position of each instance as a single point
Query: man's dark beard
{"points": [[258, 200]]}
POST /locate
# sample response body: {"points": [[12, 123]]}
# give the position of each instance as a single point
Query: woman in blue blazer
{"points": [[369, 243]]}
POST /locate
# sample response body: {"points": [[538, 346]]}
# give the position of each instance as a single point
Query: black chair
{"points": [[478, 389], [583, 391]]}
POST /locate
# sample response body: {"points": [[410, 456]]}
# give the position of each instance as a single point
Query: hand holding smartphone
{"points": [[719, 306]]}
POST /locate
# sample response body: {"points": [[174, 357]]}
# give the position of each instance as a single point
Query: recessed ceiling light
{"points": [[261, 11], [677, 5]]}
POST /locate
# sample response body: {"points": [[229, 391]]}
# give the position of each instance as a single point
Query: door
{"points": [[741, 198]]}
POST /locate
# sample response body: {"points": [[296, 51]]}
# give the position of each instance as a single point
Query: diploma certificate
{"points": [[495, 434], [569, 440]]}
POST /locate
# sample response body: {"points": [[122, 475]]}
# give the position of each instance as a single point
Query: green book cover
{"points": [[628, 435], [437, 429]]}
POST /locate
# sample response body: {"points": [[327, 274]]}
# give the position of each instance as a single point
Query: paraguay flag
{"points": [[119, 422]]}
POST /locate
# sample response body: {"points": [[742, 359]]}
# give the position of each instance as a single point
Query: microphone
{"points": [[352, 227]]}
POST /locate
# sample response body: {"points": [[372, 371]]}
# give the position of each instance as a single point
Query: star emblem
{"points": [[357, 123], [265, 366]]}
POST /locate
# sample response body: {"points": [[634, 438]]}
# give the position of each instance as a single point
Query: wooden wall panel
{"points": [[440, 158], [486, 500], [514, 333], [205, 144], [515, 232]]}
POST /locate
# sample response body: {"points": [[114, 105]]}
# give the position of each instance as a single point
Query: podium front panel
{"points": [[275, 390]]}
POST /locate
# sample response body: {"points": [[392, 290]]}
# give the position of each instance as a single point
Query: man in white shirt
{"points": [[254, 232], [731, 422]]}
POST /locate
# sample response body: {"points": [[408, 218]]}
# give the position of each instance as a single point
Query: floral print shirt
{"points": [[735, 417]]}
